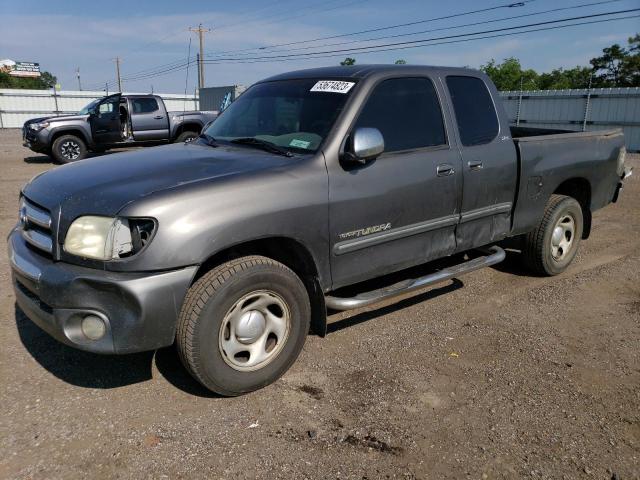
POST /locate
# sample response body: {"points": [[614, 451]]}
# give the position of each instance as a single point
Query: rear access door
{"points": [[489, 161], [105, 121], [149, 120]]}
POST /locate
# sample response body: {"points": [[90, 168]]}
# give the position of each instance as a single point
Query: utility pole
{"points": [[78, 75], [117, 60], [200, 31]]}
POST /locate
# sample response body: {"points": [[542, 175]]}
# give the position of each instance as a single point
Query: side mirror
{"points": [[366, 144]]}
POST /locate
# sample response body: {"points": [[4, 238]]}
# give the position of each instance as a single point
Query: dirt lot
{"points": [[497, 375]]}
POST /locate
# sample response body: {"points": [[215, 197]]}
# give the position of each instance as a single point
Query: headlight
{"points": [[38, 126], [107, 238]]}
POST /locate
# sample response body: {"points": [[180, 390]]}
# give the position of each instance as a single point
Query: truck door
{"points": [[400, 209], [489, 162], [105, 121], [149, 120]]}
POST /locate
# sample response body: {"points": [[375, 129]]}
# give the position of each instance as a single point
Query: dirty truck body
{"points": [[114, 121], [235, 247]]}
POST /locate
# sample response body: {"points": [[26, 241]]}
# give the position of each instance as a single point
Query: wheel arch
{"points": [[68, 131], [579, 188], [289, 252], [190, 126]]}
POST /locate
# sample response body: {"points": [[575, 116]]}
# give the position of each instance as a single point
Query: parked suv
{"points": [[236, 244], [111, 122]]}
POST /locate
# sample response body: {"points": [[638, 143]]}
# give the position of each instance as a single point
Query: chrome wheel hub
{"points": [[70, 150], [562, 237], [254, 330]]}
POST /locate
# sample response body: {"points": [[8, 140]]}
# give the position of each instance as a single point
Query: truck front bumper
{"points": [[139, 310], [36, 141]]}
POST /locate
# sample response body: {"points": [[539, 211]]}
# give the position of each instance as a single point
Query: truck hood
{"points": [[104, 185], [59, 118]]}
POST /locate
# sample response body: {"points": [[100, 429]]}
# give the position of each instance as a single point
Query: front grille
{"points": [[36, 226], [34, 298]]}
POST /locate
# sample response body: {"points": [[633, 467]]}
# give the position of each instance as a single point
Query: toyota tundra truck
{"points": [[114, 121], [316, 191]]}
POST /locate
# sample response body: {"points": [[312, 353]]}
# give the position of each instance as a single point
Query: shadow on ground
{"points": [[91, 370], [42, 159]]}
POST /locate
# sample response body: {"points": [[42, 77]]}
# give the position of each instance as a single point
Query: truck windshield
{"points": [[87, 108], [292, 114]]}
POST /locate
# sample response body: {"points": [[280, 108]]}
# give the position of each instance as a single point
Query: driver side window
{"points": [[407, 113], [106, 107]]}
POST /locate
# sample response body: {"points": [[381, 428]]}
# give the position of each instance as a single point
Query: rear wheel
{"points": [[68, 148], [186, 137], [551, 247], [243, 324]]}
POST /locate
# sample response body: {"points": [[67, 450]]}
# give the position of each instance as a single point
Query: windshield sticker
{"points": [[332, 86], [299, 143]]}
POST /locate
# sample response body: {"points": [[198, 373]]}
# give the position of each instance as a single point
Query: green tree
{"points": [[509, 75], [608, 66], [400, 62], [561, 79], [45, 81], [348, 61]]}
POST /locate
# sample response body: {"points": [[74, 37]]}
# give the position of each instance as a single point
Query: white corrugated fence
{"points": [[19, 105]]}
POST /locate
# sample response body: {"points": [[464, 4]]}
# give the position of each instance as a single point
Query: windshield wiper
{"points": [[262, 144], [208, 140]]}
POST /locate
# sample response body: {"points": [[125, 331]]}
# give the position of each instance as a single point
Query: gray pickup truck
{"points": [[315, 191], [111, 122]]}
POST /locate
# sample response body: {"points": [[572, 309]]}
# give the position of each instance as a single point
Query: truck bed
{"points": [[550, 159]]}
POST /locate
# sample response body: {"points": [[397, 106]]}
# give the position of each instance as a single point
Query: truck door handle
{"points": [[444, 170], [475, 165], [158, 117]]}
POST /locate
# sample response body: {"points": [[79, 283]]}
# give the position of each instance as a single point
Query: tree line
{"points": [[44, 81], [617, 66]]}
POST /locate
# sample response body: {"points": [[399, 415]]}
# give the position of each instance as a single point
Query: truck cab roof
{"points": [[364, 71]]}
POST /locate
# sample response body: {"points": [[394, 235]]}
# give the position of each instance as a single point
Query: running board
{"points": [[494, 255]]}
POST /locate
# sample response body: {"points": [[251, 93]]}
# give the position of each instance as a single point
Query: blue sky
{"points": [[145, 34]]}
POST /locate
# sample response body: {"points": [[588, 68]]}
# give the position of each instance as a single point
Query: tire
{"points": [[225, 311], [547, 254], [186, 137], [68, 148]]}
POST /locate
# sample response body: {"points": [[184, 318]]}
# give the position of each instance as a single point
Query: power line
{"points": [[388, 27], [484, 22], [359, 49], [439, 41], [371, 48], [179, 63]]}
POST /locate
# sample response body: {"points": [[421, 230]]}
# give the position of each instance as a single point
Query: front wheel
{"points": [[550, 248], [68, 148], [186, 137], [243, 324]]}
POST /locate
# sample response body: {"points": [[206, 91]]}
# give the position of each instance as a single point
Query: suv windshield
{"points": [[293, 114], [87, 108]]}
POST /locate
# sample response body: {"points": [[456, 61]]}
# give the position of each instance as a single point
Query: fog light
{"points": [[93, 327]]}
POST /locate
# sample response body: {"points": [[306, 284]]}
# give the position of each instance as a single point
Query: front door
{"points": [[489, 166], [148, 120], [400, 209], [105, 121]]}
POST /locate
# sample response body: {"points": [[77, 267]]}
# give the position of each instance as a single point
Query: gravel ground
{"points": [[497, 375]]}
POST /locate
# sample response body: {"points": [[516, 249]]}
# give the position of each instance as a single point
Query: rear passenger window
{"points": [[407, 113], [144, 105], [475, 113]]}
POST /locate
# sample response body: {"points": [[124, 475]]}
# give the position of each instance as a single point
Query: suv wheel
{"points": [[68, 148], [243, 324], [551, 247]]}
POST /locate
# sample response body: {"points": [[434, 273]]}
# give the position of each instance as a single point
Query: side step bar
{"points": [[494, 255]]}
